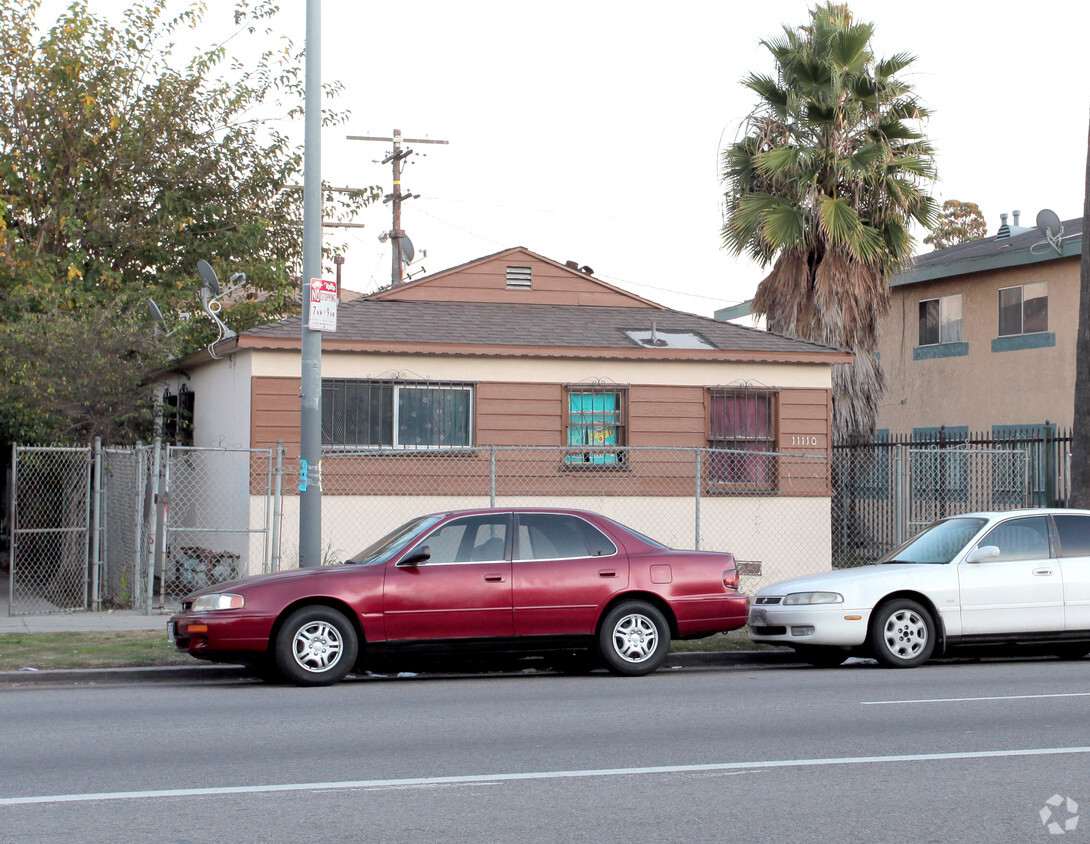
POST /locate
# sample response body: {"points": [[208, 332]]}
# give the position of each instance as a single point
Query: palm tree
{"points": [[825, 185]]}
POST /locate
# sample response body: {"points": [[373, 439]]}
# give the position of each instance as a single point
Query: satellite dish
{"points": [[208, 276], [1048, 223], [407, 251], [156, 314]]}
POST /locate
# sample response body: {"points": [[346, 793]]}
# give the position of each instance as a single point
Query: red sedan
{"points": [[571, 585]]}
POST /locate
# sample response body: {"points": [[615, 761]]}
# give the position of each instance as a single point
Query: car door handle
{"points": [[607, 573], [494, 578], [1042, 572]]}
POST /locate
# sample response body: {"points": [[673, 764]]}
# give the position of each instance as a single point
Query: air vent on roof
{"points": [[518, 278]]}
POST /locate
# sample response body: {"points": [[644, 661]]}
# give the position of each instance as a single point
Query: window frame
{"points": [[944, 303], [584, 454], [759, 475], [396, 388], [1022, 300]]}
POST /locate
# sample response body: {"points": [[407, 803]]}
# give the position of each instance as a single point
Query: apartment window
{"points": [[178, 416], [597, 416], [742, 436], [399, 415], [1023, 309], [940, 320]]}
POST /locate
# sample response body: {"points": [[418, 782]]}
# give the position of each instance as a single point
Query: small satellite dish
{"points": [[1048, 223], [156, 314], [407, 251], [208, 276]]}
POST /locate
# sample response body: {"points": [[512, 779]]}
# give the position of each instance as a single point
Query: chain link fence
{"points": [[771, 510], [50, 523]]}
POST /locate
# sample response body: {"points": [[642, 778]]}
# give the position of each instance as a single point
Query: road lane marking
{"points": [[971, 699], [538, 775]]}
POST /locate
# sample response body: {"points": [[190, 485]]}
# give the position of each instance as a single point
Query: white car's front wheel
{"points": [[902, 634]]}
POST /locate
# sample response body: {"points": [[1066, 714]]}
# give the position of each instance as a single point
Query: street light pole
{"points": [[310, 423]]}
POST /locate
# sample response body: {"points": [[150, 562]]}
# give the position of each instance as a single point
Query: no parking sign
{"points": [[323, 305]]}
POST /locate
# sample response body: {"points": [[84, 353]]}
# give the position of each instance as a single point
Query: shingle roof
{"points": [[987, 253], [550, 326]]}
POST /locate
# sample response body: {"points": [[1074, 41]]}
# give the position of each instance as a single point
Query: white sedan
{"points": [[1018, 577]]}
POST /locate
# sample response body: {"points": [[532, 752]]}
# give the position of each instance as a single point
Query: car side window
{"points": [[556, 536], [1020, 539], [1074, 535], [473, 539]]}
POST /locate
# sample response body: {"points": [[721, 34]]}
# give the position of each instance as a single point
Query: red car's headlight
{"points": [[218, 601]]}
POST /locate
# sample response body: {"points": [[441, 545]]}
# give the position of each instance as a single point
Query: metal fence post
{"points": [[278, 511], [696, 503], [898, 494], [12, 547], [157, 526], [96, 527]]}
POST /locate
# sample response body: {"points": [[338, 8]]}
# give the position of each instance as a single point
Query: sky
{"points": [[592, 131]]}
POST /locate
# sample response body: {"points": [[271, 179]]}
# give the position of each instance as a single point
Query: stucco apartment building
{"points": [[980, 337]]}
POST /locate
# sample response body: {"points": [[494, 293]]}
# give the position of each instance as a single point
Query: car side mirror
{"points": [[984, 552], [418, 556]]}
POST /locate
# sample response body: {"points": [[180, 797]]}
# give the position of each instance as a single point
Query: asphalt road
{"points": [[948, 752]]}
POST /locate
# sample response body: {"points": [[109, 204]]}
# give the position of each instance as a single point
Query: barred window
{"points": [[742, 436], [178, 416], [395, 414], [597, 416]]}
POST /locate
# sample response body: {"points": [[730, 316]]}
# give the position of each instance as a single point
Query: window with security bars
{"points": [[178, 416], [596, 417], [396, 415], [742, 438]]}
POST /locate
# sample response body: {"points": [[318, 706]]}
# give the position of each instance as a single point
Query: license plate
{"points": [[170, 632]]}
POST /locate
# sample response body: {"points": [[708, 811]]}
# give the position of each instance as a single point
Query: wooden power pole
{"points": [[396, 197]]}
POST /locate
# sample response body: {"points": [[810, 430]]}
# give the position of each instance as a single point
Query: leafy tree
{"points": [[958, 222], [121, 166], [824, 186]]}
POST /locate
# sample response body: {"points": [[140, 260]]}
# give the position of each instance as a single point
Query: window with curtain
{"points": [[742, 436], [596, 418], [393, 414]]}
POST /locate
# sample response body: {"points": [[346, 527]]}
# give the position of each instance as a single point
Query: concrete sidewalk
{"points": [[56, 622]]}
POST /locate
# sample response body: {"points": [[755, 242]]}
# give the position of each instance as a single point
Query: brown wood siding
{"points": [[530, 414], [487, 282]]}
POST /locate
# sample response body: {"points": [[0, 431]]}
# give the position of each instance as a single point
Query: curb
{"points": [[224, 673]]}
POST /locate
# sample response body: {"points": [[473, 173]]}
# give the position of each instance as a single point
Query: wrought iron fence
{"points": [[886, 491]]}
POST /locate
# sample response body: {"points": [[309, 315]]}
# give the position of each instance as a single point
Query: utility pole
{"points": [[397, 234], [310, 392]]}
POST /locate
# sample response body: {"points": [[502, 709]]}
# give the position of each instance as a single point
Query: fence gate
{"points": [[217, 517], [50, 526]]}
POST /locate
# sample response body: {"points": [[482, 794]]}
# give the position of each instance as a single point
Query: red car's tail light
{"points": [[730, 578]]}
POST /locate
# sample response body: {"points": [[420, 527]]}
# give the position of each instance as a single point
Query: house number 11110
{"points": [[805, 441]]}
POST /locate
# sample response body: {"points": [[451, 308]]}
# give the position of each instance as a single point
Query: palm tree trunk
{"points": [[1080, 441]]}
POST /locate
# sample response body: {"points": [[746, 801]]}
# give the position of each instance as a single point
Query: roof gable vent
{"points": [[519, 278]]}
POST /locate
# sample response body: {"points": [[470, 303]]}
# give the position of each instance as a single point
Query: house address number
{"points": [[806, 442]]}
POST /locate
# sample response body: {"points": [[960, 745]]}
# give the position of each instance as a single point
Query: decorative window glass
{"points": [[742, 436], [940, 320], [393, 414], [1023, 309], [596, 419]]}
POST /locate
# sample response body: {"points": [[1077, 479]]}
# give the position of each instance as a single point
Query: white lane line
{"points": [[971, 699], [538, 775]]}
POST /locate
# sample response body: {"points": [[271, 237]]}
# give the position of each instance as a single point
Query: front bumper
{"points": [[808, 625], [211, 635]]}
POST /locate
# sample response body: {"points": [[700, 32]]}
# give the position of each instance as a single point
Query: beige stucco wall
{"points": [[789, 537], [984, 388]]}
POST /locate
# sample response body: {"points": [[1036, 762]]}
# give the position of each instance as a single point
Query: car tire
{"points": [[819, 657], [316, 646], [902, 634], [634, 639]]}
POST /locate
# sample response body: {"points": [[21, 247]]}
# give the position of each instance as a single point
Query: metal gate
{"points": [[217, 516], [50, 523]]}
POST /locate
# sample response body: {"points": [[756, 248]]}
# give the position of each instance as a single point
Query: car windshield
{"points": [[383, 549], [938, 543]]}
